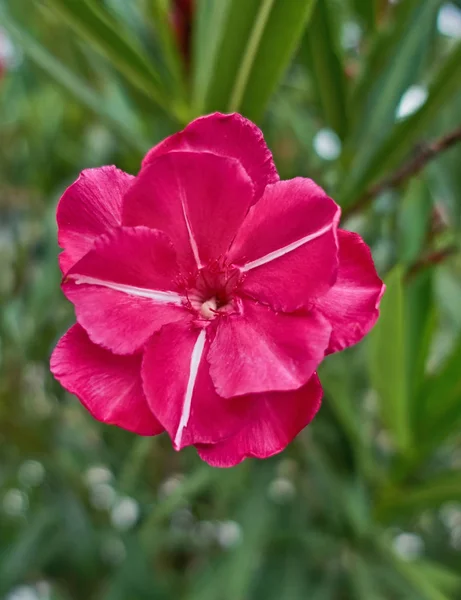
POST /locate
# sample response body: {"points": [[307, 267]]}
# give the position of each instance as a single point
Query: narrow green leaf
{"points": [[387, 361], [366, 11], [321, 51], [443, 173], [423, 584], [76, 86], [440, 400], [419, 321], [242, 48], [38, 542], [209, 23], [230, 576], [399, 141], [248, 58], [405, 54], [159, 11], [446, 579], [413, 221], [225, 28], [282, 34], [431, 494], [191, 487], [93, 23]]}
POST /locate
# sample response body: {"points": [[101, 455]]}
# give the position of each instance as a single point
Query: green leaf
{"points": [[321, 51], [209, 22], [230, 576], [414, 221], [159, 11], [399, 141], [419, 322], [223, 29], [266, 62], [395, 502], [440, 399], [76, 86], [198, 481], [405, 51], [423, 583], [366, 11], [94, 24], [443, 173], [447, 580], [33, 547], [235, 65], [387, 361]]}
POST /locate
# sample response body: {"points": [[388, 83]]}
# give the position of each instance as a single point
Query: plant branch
{"points": [[412, 167], [430, 260]]}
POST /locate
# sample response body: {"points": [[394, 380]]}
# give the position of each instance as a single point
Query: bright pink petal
{"points": [[108, 386], [88, 208], [125, 288], [232, 136], [198, 199], [261, 351], [352, 303], [179, 389], [272, 421], [287, 246]]}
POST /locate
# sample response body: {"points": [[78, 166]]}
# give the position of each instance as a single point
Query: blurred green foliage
{"points": [[366, 503]]}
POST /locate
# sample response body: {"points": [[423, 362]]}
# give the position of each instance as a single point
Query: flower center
{"points": [[212, 291], [209, 308]]}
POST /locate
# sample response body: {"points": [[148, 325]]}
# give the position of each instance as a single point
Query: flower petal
{"points": [[264, 351], [125, 289], [287, 245], [88, 208], [198, 199], [179, 389], [108, 386], [230, 135], [351, 305], [271, 422]]}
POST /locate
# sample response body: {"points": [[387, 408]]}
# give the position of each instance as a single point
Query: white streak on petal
{"points": [[278, 253], [157, 295], [194, 366], [192, 241]]}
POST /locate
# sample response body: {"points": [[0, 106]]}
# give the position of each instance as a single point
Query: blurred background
{"points": [[366, 503]]}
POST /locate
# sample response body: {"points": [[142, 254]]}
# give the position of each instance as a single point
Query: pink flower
{"points": [[207, 292]]}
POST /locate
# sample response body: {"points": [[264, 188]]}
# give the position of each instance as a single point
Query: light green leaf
{"points": [[77, 87], [94, 24], [423, 583], [404, 52], [159, 10], [399, 141], [387, 361]]}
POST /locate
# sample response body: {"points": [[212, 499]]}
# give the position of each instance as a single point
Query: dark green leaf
{"points": [[322, 53]]}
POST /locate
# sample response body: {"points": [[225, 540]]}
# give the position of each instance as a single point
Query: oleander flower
{"points": [[207, 292]]}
